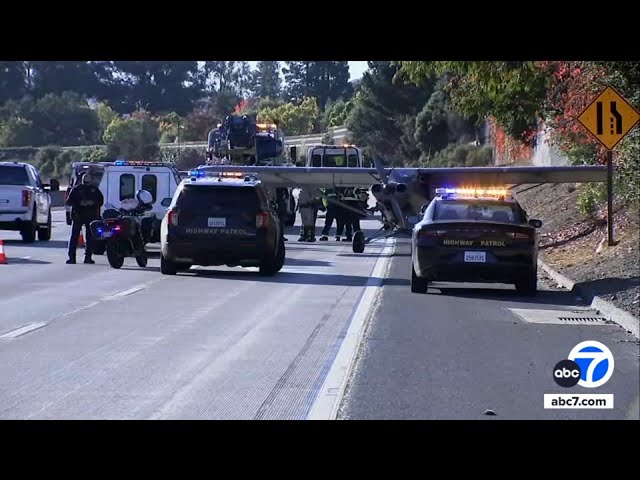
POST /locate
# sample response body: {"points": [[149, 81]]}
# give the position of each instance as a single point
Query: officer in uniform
{"points": [[353, 197], [308, 207], [334, 212], [85, 200]]}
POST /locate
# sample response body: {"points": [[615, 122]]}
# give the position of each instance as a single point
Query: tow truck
{"points": [[239, 140]]}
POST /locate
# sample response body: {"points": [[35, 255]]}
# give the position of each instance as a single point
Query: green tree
{"points": [[63, 120], [132, 138], [266, 80], [321, 79], [292, 119], [512, 92], [384, 112]]}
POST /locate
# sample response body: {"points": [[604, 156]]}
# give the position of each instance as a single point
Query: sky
{"points": [[356, 69]]}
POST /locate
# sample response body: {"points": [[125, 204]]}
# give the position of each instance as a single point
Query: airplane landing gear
{"points": [[358, 242]]}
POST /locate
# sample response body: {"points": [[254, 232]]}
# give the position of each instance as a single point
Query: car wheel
{"points": [[273, 265], [167, 267], [44, 233], [29, 233], [528, 286], [418, 284]]}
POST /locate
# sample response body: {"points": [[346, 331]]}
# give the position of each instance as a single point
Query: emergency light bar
{"points": [[204, 173], [474, 192], [122, 163]]}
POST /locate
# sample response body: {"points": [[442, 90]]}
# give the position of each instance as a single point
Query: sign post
{"points": [[608, 119]]}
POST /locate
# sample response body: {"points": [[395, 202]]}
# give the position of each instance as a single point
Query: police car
{"points": [[475, 235], [221, 219]]}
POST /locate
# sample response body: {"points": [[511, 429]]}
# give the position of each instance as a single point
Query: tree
{"points": [[384, 112], [322, 80], [12, 81], [51, 120], [133, 138], [512, 92], [292, 119], [266, 80]]}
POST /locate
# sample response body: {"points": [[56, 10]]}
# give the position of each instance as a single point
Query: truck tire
{"points": [[44, 233]]}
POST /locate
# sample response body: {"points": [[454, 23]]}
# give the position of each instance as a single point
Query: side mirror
{"points": [[166, 202], [54, 185], [535, 223], [423, 209]]}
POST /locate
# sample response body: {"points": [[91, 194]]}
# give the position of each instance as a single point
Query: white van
{"points": [[122, 179]]}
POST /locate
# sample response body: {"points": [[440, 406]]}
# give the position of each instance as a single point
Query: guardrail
{"points": [[338, 134]]}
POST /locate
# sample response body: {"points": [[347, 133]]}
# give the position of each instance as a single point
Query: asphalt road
{"points": [[90, 342], [459, 350]]}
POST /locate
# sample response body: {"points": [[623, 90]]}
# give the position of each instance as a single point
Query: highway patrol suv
{"points": [[25, 203], [221, 219], [475, 235]]}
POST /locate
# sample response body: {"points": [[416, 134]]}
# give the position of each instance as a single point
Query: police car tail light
{"points": [[518, 235], [172, 216], [26, 198], [262, 218], [432, 233]]}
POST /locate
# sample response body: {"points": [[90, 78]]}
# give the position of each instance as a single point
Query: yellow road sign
{"points": [[609, 118]]}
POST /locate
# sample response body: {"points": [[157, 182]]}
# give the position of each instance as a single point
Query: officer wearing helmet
{"points": [[85, 200]]}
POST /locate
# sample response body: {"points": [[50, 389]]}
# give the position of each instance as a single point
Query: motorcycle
{"points": [[126, 230]]}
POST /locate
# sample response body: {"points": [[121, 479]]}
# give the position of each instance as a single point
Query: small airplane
{"points": [[402, 193]]}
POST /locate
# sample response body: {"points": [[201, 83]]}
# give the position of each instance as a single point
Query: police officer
{"points": [[282, 200], [353, 198], [85, 200], [308, 207], [334, 212]]}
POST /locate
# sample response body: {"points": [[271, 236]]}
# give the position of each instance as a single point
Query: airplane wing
{"points": [[364, 177], [514, 175], [305, 176]]}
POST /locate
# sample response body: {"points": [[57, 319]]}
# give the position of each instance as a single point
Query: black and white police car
{"points": [[221, 219], [475, 235]]}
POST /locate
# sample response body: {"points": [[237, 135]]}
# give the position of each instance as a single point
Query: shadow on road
{"points": [[37, 244], [136, 267], [374, 255], [544, 297], [296, 278], [26, 261], [306, 262]]}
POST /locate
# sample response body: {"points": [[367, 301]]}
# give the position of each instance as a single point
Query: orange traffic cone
{"points": [[3, 257], [81, 243]]}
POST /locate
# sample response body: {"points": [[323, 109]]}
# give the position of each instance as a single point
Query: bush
{"points": [[464, 155], [591, 197]]}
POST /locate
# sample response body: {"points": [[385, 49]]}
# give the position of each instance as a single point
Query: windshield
{"points": [[203, 199], [478, 210], [13, 175]]}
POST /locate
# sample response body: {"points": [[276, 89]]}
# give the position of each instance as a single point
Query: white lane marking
{"points": [[330, 396], [22, 330], [125, 292]]}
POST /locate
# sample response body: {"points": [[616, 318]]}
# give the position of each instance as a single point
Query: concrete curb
{"points": [[608, 309]]}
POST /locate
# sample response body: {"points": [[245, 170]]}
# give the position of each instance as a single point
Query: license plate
{"points": [[106, 234], [475, 257], [216, 222]]}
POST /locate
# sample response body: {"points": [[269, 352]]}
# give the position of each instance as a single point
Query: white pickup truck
{"points": [[25, 204]]}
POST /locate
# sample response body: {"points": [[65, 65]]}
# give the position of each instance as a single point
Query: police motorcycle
{"points": [[126, 230]]}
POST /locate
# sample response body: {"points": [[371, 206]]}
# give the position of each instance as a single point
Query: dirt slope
{"points": [[576, 246]]}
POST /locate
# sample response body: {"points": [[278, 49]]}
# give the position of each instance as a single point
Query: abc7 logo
{"points": [[590, 365]]}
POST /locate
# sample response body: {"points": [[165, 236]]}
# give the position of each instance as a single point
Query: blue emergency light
{"points": [[197, 173], [120, 163]]}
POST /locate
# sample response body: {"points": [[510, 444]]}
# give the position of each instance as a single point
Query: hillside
{"points": [[576, 245]]}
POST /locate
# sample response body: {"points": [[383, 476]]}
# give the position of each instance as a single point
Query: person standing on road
{"points": [[308, 206], [85, 200], [333, 213], [352, 198]]}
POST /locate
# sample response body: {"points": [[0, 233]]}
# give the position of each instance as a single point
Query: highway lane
{"points": [[214, 343], [460, 350]]}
